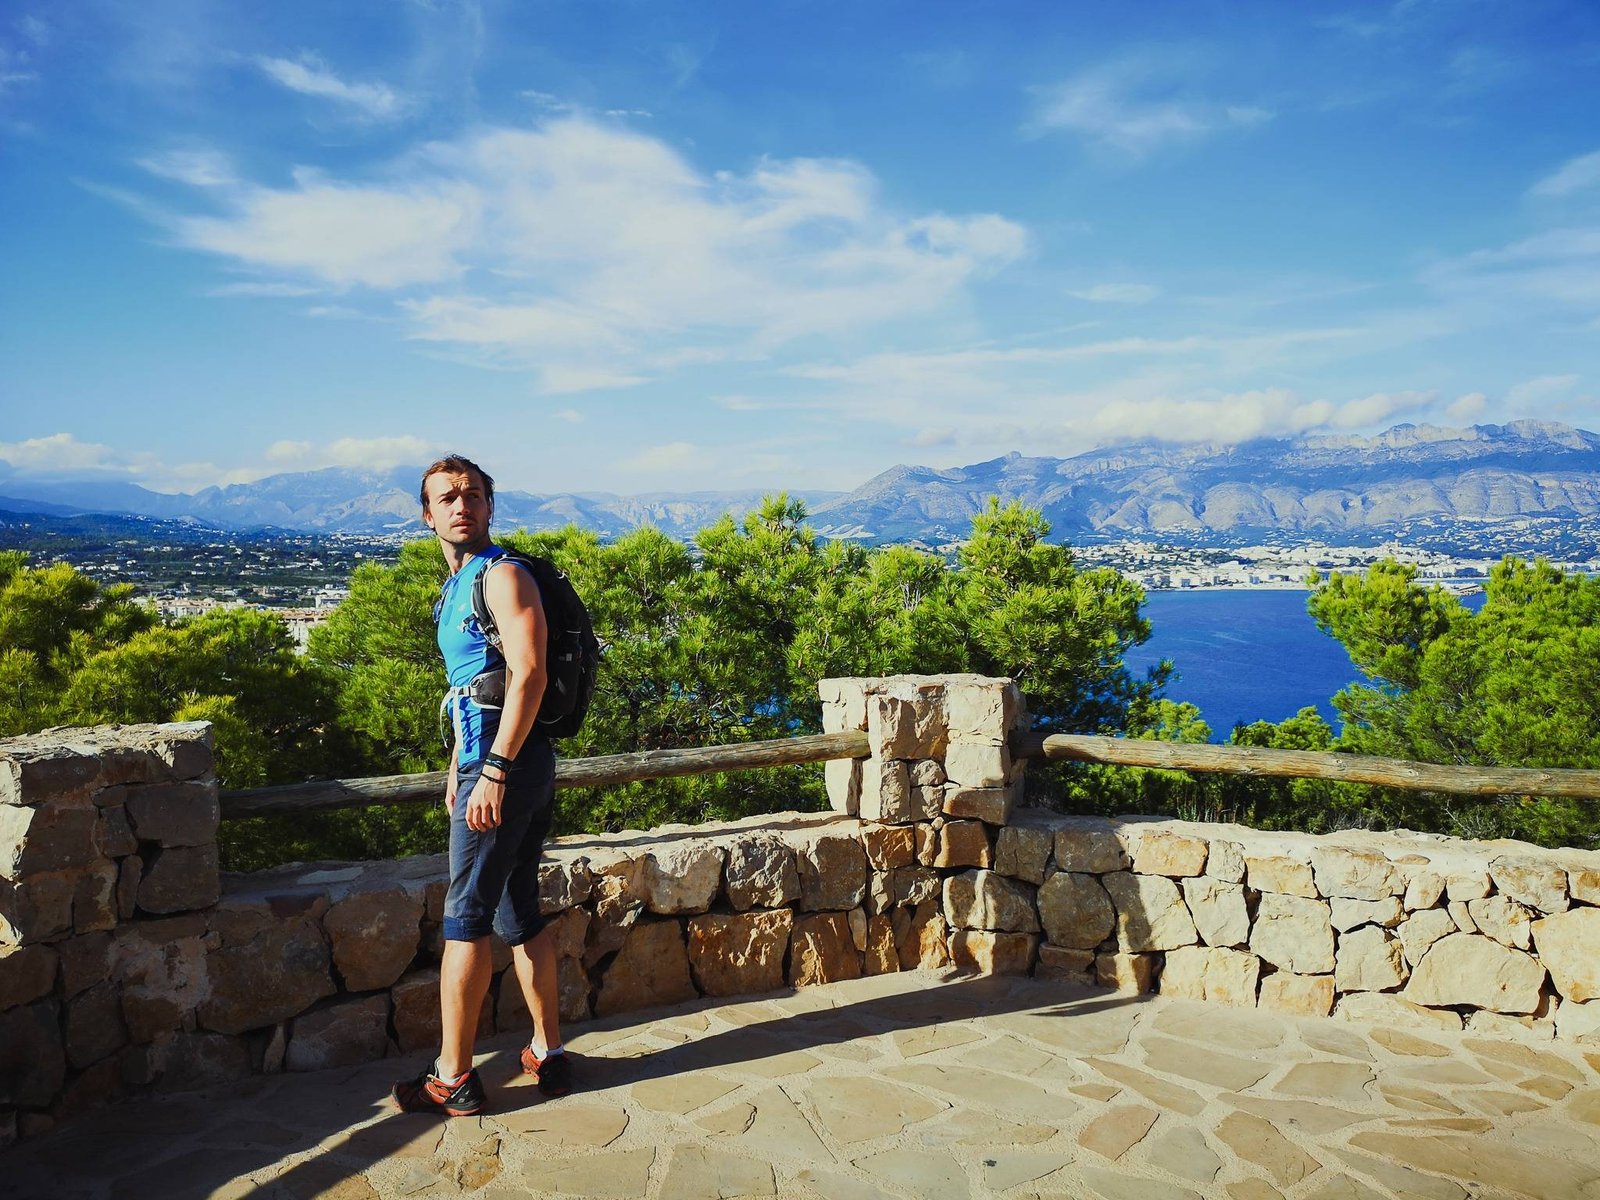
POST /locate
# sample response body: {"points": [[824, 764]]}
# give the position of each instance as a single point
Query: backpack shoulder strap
{"points": [[480, 602]]}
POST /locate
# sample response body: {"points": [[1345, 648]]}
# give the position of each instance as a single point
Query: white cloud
{"points": [[309, 76], [377, 453], [1558, 266], [1136, 107], [1531, 396], [1575, 175], [1464, 410], [268, 290], [1119, 293], [197, 168], [570, 415], [668, 458], [61, 452], [15, 69]]}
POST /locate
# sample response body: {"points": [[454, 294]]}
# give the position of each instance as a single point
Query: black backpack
{"points": [[573, 655]]}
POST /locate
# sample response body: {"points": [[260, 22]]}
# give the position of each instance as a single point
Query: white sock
{"points": [[541, 1055]]}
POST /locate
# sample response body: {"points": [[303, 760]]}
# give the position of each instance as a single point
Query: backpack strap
{"points": [[480, 603]]}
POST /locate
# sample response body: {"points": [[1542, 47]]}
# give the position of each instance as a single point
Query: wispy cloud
{"points": [[309, 76], [15, 68], [1118, 293], [1136, 107], [1557, 266], [370, 453], [197, 168], [1575, 175]]}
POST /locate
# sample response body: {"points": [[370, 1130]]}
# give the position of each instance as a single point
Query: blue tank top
{"points": [[467, 654]]}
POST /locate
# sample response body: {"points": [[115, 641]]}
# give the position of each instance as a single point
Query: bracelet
{"points": [[500, 779], [498, 760]]}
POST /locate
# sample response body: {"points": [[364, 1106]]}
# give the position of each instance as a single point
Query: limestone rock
{"points": [[1064, 965], [1462, 916], [1352, 914], [163, 980], [1463, 885], [1369, 959], [1164, 852], [276, 974], [886, 791], [822, 950], [1280, 874], [927, 803], [992, 953], [921, 937], [761, 873], [174, 814], [1503, 919], [573, 990], [844, 704], [1218, 909], [881, 955], [1422, 930], [963, 844], [569, 932], [1583, 885], [342, 1034], [1567, 945], [682, 877], [1023, 852], [179, 878], [1465, 968], [33, 1062], [1535, 882], [842, 778], [376, 933], [94, 898], [1150, 912], [27, 973], [889, 845], [564, 880], [1355, 874], [739, 954], [832, 867], [37, 909], [94, 1028], [977, 764], [188, 1061], [986, 900], [1089, 845], [1423, 890], [1076, 911], [651, 969], [1387, 1009], [1128, 974], [1302, 995], [905, 725], [416, 1010], [1211, 973], [992, 804], [928, 772], [1225, 861], [51, 837], [1294, 933], [913, 885]]}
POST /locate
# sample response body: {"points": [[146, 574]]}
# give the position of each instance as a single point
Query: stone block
{"points": [[1127, 974], [881, 956], [832, 867], [342, 1034], [569, 931], [913, 885], [963, 844], [94, 898], [564, 881], [1423, 929], [1219, 911], [1355, 874], [907, 725], [1387, 1009], [274, 975], [880, 893], [739, 954], [49, 837], [375, 935], [842, 778], [1470, 969], [927, 843], [174, 814], [1369, 959], [927, 802], [978, 709], [889, 846], [1064, 965], [985, 900], [822, 950], [164, 979], [1225, 861], [992, 804], [94, 1087], [1075, 911], [844, 704], [992, 953], [1424, 889], [129, 872], [651, 969], [27, 973], [33, 1061], [682, 877], [761, 872], [1583, 885], [1352, 914], [93, 1028], [1280, 874], [185, 747], [1211, 973], [113, 834], [416, 1010], [1567, 945], [1463, 885], [1164, 852], [37, 909], [1150, 912], [921, 937], [574, 992], [85, 961], [1023, 852], [928, 772], [38, 768], [1461, 915], [1539, 884], [1503, 919], [1294, 934], [1301, 995], [187, 1060], [179, 878], [977, 764], [886, 791], [1089, 846]]}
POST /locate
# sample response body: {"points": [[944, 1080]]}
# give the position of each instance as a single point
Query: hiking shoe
{"points": [[553, 1075], [428, 1093]]}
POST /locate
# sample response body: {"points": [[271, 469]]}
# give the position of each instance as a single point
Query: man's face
{"points": [[458, 509]]}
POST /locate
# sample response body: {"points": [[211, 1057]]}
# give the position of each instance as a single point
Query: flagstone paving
{"points": [[908, 1085]]}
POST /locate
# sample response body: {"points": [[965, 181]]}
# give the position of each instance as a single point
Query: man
{"points": [[502, 779]]}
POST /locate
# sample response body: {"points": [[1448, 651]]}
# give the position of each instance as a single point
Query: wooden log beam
{"points": [[1312, 764], [604, 771]]}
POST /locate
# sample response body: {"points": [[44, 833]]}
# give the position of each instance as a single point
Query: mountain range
{"points": [[1315, 485]]}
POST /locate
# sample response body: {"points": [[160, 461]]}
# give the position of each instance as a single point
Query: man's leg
{"points": [[464, 973], [535, 962]]}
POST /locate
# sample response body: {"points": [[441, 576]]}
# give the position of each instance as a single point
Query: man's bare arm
{"points": [[513, 600]]}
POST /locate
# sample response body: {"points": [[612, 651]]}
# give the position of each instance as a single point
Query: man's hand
{"points": [[483, 806], [451, 785]]}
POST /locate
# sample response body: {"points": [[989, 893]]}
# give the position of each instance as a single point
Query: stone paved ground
{"points": [[898, 1085]]}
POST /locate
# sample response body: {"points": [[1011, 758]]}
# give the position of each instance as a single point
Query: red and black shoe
{"points": [[428, 1093], [553, 1073]]}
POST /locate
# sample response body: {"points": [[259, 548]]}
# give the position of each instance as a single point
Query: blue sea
{"points": [[1243, 655]]}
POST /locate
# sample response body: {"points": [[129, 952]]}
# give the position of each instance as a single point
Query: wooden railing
{"points": [[611, 770]]}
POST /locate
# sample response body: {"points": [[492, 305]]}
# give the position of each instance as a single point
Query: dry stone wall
{"points": [[127, 963]]}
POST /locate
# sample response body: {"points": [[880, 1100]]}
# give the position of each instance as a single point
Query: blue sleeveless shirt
{"points": [[467, 654]]}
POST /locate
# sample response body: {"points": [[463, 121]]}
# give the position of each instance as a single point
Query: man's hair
{"points": [[456, 464]]}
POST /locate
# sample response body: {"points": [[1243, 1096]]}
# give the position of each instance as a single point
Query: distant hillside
{"points": [[1315, 486]]}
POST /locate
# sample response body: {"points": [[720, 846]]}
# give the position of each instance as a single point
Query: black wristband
{"points": [[498, 760], [500, 779]]}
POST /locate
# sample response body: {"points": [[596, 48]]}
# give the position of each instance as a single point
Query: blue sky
{"points": [[659, 245]]}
